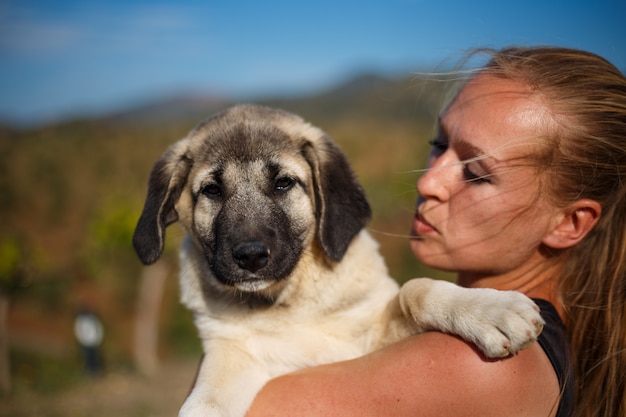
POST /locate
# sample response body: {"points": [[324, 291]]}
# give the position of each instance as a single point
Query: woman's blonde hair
{"points": [[585, 159]]}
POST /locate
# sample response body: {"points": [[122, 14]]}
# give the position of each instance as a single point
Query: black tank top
{"points": [[554, 342]]}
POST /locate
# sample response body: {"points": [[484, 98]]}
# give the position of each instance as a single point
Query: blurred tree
{"points": [[149, 303], [111, 232]]}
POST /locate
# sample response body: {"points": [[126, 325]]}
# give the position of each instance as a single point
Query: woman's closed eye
{"points": [[472, 172]]}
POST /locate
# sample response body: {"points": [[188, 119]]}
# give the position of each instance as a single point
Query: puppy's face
{"points": [[250, 204], [254, 188]]}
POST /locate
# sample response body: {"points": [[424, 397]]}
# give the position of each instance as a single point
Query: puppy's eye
{"points": [[211, 191], [284, 183]]}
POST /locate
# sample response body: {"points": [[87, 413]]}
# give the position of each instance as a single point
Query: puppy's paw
{"points": [[500, 323]]}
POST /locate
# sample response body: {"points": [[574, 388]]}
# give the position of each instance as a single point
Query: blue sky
{"points": [[60, 58]]}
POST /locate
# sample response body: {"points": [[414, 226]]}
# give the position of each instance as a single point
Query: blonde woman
{"points": [[525, 190]]}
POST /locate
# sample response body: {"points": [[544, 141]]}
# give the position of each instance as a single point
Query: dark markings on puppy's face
{"points": [[252, 208], [254, 187]]}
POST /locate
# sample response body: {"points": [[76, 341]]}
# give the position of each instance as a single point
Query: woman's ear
{"points": [[573, 224]]}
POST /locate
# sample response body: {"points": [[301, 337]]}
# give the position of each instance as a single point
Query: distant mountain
{"points": [[361, 84], [369, 97], [365, 96], [171, 109]]}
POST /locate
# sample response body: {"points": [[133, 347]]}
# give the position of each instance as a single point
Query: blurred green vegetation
{"points": [[70, 195], [44, 375]]}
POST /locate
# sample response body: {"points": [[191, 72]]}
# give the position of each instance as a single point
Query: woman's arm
{"points": [[429, 374]]}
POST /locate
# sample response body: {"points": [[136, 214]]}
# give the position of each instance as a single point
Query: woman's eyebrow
{"points": [[469, 151], [466, 148]]}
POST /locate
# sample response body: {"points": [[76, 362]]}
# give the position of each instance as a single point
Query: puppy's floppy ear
{"points": [[167, 179], [342, 209]]}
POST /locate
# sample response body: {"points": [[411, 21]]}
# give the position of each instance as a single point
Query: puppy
{"points": [[277, 267]]}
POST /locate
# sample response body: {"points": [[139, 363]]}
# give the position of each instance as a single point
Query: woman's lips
{"points": [[421, 226]]}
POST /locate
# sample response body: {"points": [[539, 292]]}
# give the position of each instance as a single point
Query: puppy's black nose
{"points": [[251, 255]]}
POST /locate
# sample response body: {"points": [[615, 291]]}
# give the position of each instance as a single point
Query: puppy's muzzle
{"points": [[251, 255]]}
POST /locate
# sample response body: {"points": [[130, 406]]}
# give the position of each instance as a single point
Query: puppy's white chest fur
{"points": [[316, 319]]}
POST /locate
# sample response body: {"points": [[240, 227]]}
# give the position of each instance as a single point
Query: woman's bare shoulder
{"points": [[429, 374]]}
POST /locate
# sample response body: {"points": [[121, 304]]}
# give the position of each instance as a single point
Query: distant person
{"points": [[525, 190], [89, 333]]}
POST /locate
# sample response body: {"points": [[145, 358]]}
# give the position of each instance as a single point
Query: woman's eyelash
{"points": [[438, 144], [470, 176]]}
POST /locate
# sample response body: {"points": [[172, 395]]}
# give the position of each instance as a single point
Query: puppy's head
{"points": [[254, 187]]}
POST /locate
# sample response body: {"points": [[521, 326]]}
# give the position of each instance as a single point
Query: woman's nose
{"points": [[436, 182]]}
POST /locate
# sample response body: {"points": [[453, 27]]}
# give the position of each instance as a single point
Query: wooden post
{"points": [[151, 286]]}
